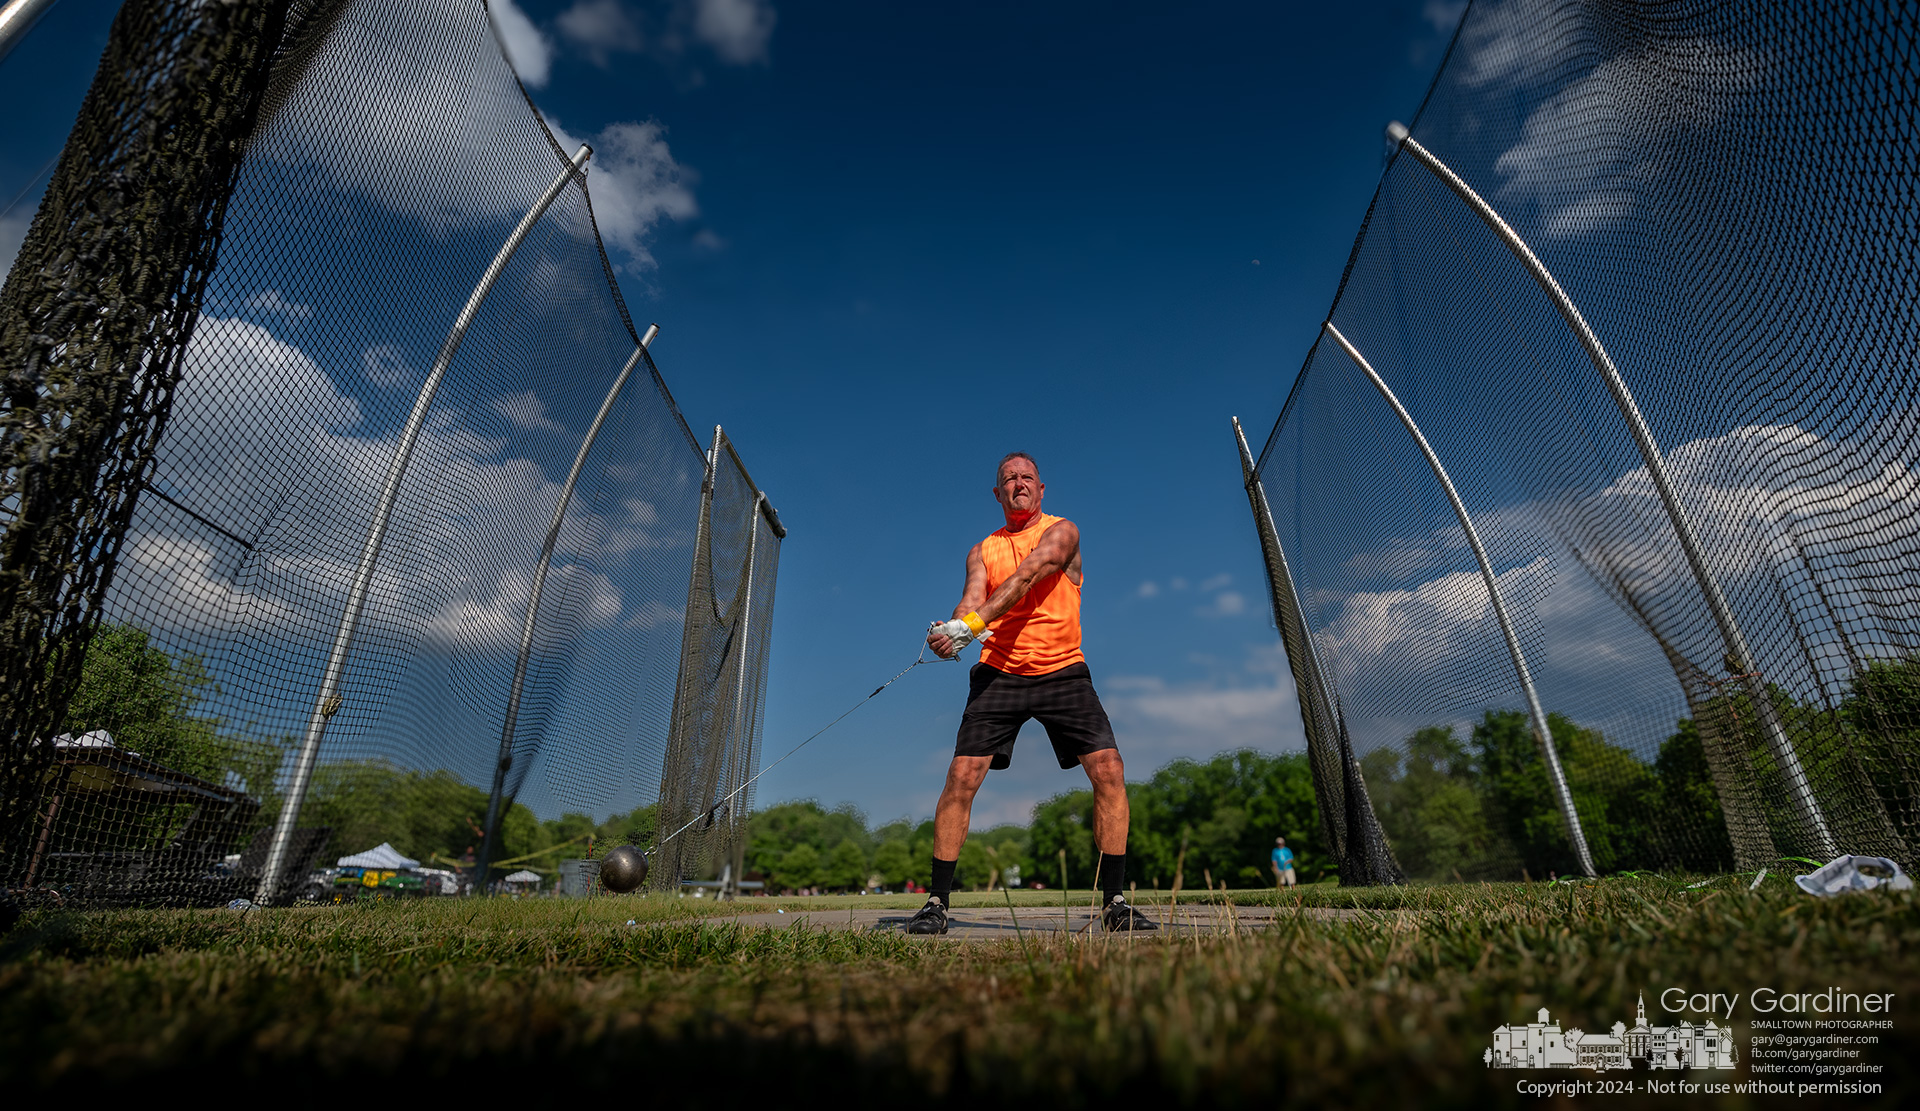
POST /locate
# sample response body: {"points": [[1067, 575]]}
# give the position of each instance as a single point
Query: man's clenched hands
{"points": [[947, 638]]}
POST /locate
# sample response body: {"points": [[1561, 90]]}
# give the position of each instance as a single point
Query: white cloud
{"points": [[437, 108], [1227, 603], [1435, 621], [270, 302], [1411, 655], [528, 47], [200, 597], [249, 414], [385, 365], [739, 31], [638, 528], [1251, 706], [1178, 583], [1749, 506], [494, 621], [525, 410], [655, 613], [1148, 589], [600, 28], [635, 184], [1217, 581], [1594, 145], [263, 444]]}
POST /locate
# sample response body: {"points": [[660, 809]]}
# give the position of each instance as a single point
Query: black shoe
{"points": [[1120, 917], [932, 918]]}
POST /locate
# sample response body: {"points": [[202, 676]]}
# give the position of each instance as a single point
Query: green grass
{"points": [[455, 997]]}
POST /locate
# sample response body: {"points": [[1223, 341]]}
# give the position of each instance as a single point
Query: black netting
{"points": [[394, 155], [714, 749], [1724, 192]]}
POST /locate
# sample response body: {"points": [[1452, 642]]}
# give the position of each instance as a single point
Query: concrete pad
{"points": [[998, 923]]}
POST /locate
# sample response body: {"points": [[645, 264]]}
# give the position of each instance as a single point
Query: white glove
{"points": [[962, 631]]}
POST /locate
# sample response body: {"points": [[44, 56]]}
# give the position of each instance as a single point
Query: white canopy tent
{"points": [[383, 856], [524, 876]]}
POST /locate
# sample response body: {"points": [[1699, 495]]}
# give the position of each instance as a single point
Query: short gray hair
{"points": [[1008, 458]]}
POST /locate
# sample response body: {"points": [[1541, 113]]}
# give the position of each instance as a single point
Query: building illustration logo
{"points": [[1543, 1045]]}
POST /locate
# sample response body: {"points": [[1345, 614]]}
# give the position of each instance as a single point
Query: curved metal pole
{"points": [[1739, 655], [1544, 735], [327, 702], [17, 17], [1318, 699], [1310, 683], [746, 650], [512, 723]]}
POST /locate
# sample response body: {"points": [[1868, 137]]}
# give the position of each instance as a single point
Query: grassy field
{"points": [[1387, 1008]]}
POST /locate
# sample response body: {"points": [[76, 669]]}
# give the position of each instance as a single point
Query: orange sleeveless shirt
{"points": [[1041, 633]]}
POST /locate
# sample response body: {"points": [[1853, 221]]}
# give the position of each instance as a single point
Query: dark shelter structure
{"points": [[1592, 517], [343, 500]]}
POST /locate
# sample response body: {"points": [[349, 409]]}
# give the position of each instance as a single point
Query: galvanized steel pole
{"points": [[17, 17], [740, 674], [1800, 790], [1318, 698], [511, 725], [1541, 732], [327, 701], [1327, 758]]}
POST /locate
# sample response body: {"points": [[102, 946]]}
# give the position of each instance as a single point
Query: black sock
{"points": [[942, 884], [1113, 876]]}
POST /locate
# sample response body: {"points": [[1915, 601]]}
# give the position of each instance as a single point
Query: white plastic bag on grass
{"points": [[1853, 873]]}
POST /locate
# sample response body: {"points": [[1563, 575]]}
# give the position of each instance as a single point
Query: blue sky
{"points": [[887, 244]]}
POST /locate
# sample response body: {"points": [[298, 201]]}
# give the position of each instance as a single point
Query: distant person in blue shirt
{"points": [[1282, 863]]}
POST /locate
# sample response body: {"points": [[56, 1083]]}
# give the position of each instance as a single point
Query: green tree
{"points": [[1689, 827], [845, 868], [1229, 808], [974, 866], [1064, 821], [149, 701], [1429, 803], [895, 863], [799, 867], [773, 832], [1613, 793], [1882, 716], [423, 814]]}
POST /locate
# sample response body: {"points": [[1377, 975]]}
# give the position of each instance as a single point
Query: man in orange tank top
{"points": [[1022, 603]]}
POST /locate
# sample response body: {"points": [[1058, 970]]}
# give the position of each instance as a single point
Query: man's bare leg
{"points": [[1110, 812], [955, 812], [1110, 821], [950, 821]]}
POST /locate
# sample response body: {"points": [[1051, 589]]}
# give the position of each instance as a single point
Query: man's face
{"points": [[1020, 489]]}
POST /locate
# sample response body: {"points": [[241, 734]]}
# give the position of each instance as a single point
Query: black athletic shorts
{"points": [[1063, 701]]}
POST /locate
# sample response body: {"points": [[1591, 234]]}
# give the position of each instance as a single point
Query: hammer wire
{"points": [[715, 808]]}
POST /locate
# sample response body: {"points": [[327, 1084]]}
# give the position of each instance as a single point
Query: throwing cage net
{"points": [[1642, 282], [713, 748], [344, 505]]}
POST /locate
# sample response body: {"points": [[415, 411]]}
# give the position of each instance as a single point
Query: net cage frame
{"points": [[1669, 379], [191, 484]]}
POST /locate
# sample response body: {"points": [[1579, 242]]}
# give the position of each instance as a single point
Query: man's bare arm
{"points": [[1056, 550], [973, 595]]}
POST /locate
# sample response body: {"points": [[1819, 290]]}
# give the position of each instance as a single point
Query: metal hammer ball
{"points": [[623, 869]]}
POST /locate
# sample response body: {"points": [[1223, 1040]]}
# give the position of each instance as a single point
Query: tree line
{"points": [[1472, 806], [1482, 807], [153, 703], [1194, 819]]}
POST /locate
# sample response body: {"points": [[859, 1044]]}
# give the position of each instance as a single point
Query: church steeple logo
{"points": [[1542, 1044]]}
